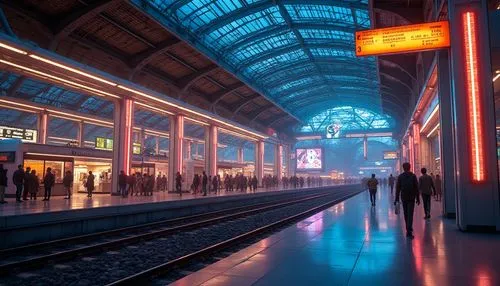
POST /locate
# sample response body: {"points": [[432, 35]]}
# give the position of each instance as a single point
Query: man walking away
{"points": [[131, 181], [3, 184], [426, 185], [122, 183], [68, 183], [48, 183], [391, 183], [90, 184], [407, 187], [204, 182], [18, 180], [372, 188], [437, 185]]}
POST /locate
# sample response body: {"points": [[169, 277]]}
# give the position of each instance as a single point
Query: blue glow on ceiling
{"points": [[296, 53]]}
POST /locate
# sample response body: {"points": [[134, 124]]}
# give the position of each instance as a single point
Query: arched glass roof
{"points": [[349, 118], [293, 51]]}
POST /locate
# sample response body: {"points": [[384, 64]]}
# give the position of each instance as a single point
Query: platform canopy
{"points": [[300, 54]]}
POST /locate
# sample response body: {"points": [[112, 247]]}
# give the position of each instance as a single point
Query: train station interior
{"points": [[151, 110]]}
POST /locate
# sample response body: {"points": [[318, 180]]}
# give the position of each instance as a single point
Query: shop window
{"points": [[57, 169], [37, 165]]}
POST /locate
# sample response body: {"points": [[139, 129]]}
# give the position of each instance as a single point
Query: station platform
{"points": [[353, 243]]}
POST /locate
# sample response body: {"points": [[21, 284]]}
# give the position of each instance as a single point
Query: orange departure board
{"points": [[403, 39]]}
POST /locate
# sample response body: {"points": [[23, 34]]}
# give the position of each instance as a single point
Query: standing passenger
{"points": [[407, 187], [391, 183], [204, 182], [18, 180], [35, 185], [3, 184], [122, 183], [427, 188], [255, 183], [131, 181], [90, 184], [178, 183], [48, 183], [437, 186], [27, 183], [372, 188], [68, 182]]}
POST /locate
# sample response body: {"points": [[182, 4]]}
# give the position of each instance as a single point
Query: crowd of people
{"points": [[141, 184], [409, 190]]}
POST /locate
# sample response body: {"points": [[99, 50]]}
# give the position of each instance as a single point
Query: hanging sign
{"points": [[403, 39], [26, 135]]}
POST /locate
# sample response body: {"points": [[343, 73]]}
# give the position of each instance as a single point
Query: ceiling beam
{"points": [[239, 105], [77, 18], [275, 119], [15, 86], [228, 90], [259, 112], [188, 81]]}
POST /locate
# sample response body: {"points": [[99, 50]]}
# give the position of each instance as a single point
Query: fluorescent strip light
{"points": [[432, 131], [153, 108], [196, 121], [496, 77], [302, 138], [158, 133], [72, 69], [74, 117], [429, 119], [99, 92], [66, 156], [10, 48], [21, 105]]}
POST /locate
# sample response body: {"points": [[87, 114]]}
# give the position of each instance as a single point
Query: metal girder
{"points": [[15, 86], [161, 75], [327, 82], [97, 44], [392, 78], [239, 105], [271, 31], [77, 18], [188, 81], [287, 49], [228, 90], [275, 119], [261, 111], [143, 58], [392, 64]]}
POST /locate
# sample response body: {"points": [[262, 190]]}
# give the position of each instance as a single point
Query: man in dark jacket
{"points": [[18, 180], [407, 187], [204, 182], [427, 189], [122, 183], [68, 183], [3, 184], [27, 183], [48, 182]]}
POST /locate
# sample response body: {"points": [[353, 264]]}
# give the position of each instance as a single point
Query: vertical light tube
{"points": [[473, 91], [365, 148], [128, 135]]}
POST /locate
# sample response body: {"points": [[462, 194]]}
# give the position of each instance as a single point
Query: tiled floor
{"points": [[355, 244], [80, 201]]}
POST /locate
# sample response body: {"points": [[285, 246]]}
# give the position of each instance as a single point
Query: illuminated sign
{"points": [[403, 39], [26, 135], [7, 157], [136, 148], [333, 131], [309, 159], [390, 155], [102, 143]]}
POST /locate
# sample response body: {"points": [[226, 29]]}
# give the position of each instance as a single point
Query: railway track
{"points": [[128, 240]]}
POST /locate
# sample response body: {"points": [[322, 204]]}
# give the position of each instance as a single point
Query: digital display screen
{"points": [[390, 155], [333, 131], [103, 143], [7, 157], [309, 159], [26, 135], [136, 148]]}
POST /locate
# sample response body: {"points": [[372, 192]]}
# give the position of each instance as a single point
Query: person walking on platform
{"points": [[122, 183], [90, 184], [437, 186], [391, 183], [68, 183], [426, 186], [407, 188], [131, 181], [3, 184], [255, 183], [178, 183], [48, 182], [18, 180], [372, 184], [215, 184], [35, 185], [27, 183], [139, 184], [164, 183], [204, 182]]}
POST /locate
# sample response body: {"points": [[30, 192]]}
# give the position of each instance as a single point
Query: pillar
{"points": [[157, 145], [189, 145], [365, 147], [175, 160], [122, 140], [240, 158], [211, 141], [141, 139], [447, 140], [476, 170], [81, 137], [417, 160], [43, 123], [259, 161], [278, 161]]}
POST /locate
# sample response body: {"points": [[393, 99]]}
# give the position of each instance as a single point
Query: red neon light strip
{"points": [[473, 96], [128, 135]]}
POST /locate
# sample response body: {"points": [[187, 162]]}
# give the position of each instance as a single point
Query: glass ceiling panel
{"points": [[287, 50]]}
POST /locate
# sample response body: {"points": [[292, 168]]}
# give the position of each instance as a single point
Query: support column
{"points": [[365, 148], [189, 145], [175, 160], [122, 140], [157, 145], [81, 137], [473, 107], [211, 141], [278, 163], [43, 123], [240, 155], [416, 149], [259, 161], [446, 122], [142, 137]]}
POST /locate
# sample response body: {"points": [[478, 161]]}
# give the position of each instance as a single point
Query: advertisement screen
{"points": [[390, 155], [309, 159]]}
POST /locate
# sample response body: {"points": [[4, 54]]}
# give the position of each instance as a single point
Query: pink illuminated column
{"points": [[278, 163], [259, 161], [175, 157], [416, 148], [211, 141], [81, 139], [189, 145], [43, 123], [122, 140]]}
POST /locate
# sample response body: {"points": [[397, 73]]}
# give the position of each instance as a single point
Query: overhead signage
{"points": [[390, 155], [403, 39], [102, 143], [136, 148], [333, 131], [26, 135]]}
